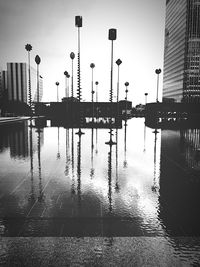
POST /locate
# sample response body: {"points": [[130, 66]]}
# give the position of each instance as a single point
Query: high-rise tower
{"points": [[181, 77]]}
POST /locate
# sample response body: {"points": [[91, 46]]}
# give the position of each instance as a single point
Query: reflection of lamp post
{"points": [[157, 71], [118, 62], [37, 61], [112, 36], [28, 48], [72, 56], [57, 84]]}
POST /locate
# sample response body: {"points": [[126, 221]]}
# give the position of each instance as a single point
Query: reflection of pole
{"points": [[32, 194], [67, 153], [92, 154], [58, 153], [79, 171], [117, 182], [144, 138], [154, 186], [110, 178], [125, 133], [41, 194], [72, 156], [96, 151]]}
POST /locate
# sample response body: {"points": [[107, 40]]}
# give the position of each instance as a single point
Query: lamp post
{"points": [[37, 61], [66, 83], [118, 62], [92, 65], [126, 92], [146, 94], [57, 84], [28, 48], [96, 83], [112, 35], [157, 71], [72, 56], [78, 23]]}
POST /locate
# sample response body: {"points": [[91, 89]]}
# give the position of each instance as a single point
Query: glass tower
{"points": [[181, 78]]}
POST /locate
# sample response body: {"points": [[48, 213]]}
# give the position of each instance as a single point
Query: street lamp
{"points": [[126, 92], [72, 56], [37, 61], [157, 71], [96, 83], [146, 94], [118, 62], [92, 65], [78, 23], [28, 48], [57, 84], [112, 35], [67, 84]]}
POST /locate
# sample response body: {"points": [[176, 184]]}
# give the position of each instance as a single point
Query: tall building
{"points": [[17, 75], [181, 75], [3, 82]]}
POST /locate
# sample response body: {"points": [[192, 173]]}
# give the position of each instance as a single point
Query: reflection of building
{"points": [[182, 51], [17, 75], [16, 137], [190, 139]]}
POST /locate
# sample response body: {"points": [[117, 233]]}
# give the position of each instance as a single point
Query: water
{"points": [[70, 200]]}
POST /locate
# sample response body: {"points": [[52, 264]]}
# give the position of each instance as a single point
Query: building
{"points": [[3, 83], [181, 75], [17, 76]]}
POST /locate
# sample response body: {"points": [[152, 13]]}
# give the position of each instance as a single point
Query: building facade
{"points": [[17, 77], [181, 75], [3, 83]]}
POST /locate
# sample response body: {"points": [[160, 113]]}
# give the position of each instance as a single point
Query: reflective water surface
{"points": [[85, 201]]}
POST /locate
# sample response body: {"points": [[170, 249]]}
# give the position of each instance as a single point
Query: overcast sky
{"points": [[49, 26]]}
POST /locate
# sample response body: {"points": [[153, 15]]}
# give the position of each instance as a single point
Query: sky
{"points": [[49, 26]]}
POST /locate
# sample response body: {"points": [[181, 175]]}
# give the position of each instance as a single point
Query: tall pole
{"points": [[92, 65], [126, 92], [78, 23], [157, 71], [72, 56], [57, 84], [28, 48], [118, 62], [37, 61], [112, 35], [146, 94], [96, 83]]}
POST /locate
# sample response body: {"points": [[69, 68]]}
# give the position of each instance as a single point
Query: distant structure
{"points": [[17, 82], [181, 77], [3, 83]]}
